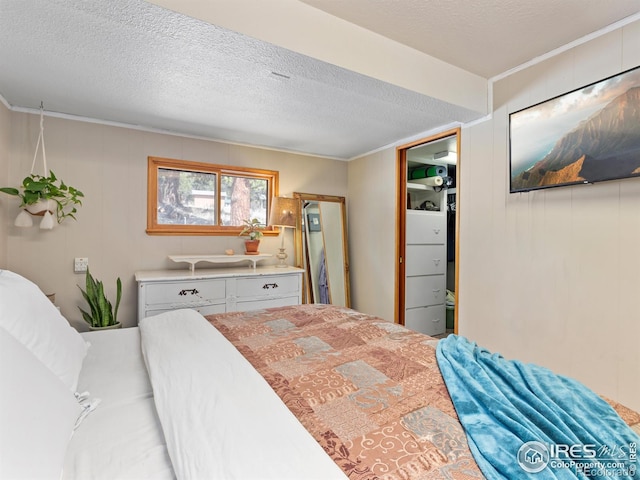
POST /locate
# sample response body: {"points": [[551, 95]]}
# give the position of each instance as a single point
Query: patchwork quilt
{"points": [[369, 391]]}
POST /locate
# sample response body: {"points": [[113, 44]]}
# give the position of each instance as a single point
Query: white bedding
{"points": [[121, 438], [220, 417]]}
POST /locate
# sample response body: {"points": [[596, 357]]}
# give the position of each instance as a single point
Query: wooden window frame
{"points": [[156, 163]]}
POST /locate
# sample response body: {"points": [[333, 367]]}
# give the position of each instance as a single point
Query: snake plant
{"points": [[102, 313]]}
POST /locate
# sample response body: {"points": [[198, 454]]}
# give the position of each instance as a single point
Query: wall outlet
{"points": [[80, 264]]}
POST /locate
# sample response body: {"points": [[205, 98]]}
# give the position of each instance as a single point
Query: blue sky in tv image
{"points": [[535, 130]]}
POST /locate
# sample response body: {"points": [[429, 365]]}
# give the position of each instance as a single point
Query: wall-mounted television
{"points": [[588, 135]]}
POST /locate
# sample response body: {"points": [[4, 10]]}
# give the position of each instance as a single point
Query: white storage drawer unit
{"points": [[426, 271], [218, 290]]}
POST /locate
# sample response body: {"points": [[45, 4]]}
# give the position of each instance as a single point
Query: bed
{"points": [[300, 392]]}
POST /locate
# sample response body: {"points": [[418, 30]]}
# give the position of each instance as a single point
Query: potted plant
{"points": [[251, 229], [102, 314], [40, 194]]}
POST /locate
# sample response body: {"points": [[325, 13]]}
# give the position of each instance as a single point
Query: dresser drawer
{"points": [[206, 310], [425, 228], [260, 304], [268, 286], [425, 290], [426, 259], [185, 294], [427, 320]]}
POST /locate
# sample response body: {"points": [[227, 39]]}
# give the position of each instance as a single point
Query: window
{"points": [[194, 198]]}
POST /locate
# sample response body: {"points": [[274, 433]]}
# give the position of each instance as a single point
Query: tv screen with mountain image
{"points": [[588, 135]]}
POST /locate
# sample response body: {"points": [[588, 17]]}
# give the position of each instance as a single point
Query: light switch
{"points": [[80, 264]]}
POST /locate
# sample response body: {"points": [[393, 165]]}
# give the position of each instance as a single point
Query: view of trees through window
{"points": [[243, 198], [190, 198], [186, 198], [200, 198]]}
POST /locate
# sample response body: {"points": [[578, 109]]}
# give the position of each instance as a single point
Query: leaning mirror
{"points": [[321, 248]]}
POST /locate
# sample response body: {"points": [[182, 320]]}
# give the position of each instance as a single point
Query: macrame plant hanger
{"points": [[44, 206]]}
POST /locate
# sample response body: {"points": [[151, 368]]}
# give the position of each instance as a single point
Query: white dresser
{"points": [[218, 290]]}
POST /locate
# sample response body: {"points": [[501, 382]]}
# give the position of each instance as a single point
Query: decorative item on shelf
{"points": [[44, 195], [192, 260], [252, 229], [284, 212], [102, 314], [436, 181]]}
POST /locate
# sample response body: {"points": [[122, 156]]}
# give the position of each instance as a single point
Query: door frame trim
{"points": [[401, 222]]}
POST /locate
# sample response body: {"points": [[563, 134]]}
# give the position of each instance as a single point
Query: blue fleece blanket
{"points": [[523, 421]]}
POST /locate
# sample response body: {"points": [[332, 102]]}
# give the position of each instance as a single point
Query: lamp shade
{"points": [[283, 212]]}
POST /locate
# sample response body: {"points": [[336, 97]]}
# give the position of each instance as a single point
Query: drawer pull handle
{"points": [[436, 231], [192, 291], [436, 291], [267, 286], [436, 261]]}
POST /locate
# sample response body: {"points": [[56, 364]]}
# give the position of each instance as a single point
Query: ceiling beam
{"points": [[301, 28]]}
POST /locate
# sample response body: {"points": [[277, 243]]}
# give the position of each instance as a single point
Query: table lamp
{"points": [[283, 214]]}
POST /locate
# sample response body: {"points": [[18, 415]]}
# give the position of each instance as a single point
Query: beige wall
{"points": [[553, 276], [371, 214], [4, 174], [109, 165]]}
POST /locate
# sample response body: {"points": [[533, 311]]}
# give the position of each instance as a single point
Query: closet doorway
{"points": [[428, 173]]}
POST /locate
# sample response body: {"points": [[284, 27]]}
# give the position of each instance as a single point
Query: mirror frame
{"points": [[299, 247]]}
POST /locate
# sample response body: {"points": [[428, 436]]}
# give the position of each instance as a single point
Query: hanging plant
{"points": [[44, 195], [37, 189]]}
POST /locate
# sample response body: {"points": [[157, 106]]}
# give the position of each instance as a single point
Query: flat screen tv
{"points": [[588, 135]]}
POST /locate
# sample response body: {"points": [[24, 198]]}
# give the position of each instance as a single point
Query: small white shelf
{"points": [[192, 260]]}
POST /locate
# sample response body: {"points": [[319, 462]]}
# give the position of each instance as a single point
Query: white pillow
{"points": [[37, 415], [28, 315]]}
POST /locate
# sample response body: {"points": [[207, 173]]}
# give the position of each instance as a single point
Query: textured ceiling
{"points": [[135, 63]]}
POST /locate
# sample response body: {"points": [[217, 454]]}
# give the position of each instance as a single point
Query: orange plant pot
{"points": [[251, 247]]}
